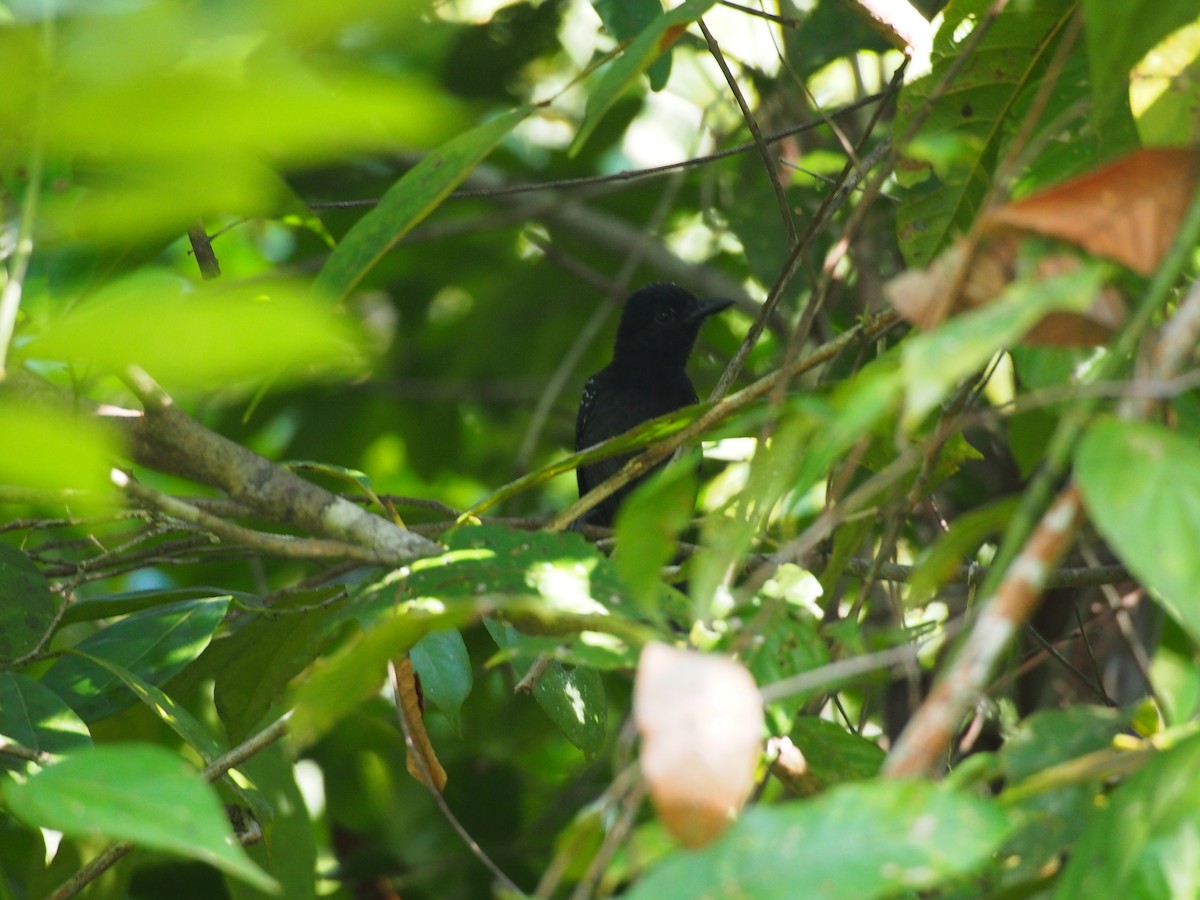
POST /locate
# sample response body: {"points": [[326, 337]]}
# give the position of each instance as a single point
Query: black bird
{"points": [[646, 378]]}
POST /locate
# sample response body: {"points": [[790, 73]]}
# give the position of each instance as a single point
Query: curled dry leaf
{"points": [[1128, 210], [411, 707], [701, 722]]}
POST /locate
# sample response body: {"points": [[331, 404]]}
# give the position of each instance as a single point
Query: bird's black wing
{"points": [[586, 402]]}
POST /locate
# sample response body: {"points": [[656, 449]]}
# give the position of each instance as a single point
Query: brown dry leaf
{"points": [[701, 722], [411, 708], [1128, 210]]}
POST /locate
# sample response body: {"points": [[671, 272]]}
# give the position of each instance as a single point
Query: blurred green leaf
{"points": [[154, 645], [356, 671], [51, 449], [135, 792], [410, 200], [37, 718], [1145, 841], [28, 607], [934, 362], [444, 666], [855, 841], [1141, 486], [219, 334], [1117, 39], [625, 19], [649, 523]]}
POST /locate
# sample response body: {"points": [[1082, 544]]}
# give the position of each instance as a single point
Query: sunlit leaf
{"points": [[154, 645], [649, 523], [37, 719], [136, 792]]}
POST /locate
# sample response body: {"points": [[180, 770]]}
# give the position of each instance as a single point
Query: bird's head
{"points": [[659, 324]]}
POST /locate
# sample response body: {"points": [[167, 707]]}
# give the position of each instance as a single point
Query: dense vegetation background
{"points": [[297, 303]]}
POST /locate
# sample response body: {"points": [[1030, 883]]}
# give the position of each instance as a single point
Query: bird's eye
{"points": [[663, 316]]}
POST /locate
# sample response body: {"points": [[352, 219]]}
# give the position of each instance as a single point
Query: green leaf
{"points": [[264, 655], [642, 51], [1145, 841], [184, 724], [856, 841], [833, 754], [625, 19], [47, 448], [1141, 485], [648, 526], [134, 792], [26, 604], [934, 362], [1118, 36], [37, 718], [547, 583], [958, 546], [444, 666], [289, 851], [154, 645], [573, 698], [409, 201], [970, 123], [235, 332]]}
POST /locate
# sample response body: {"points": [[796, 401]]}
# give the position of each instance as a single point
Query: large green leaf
{"points": [[154, 645], [856, 841], [134, 792], [410, 200], [969, 124], [1145, 840], [26, 604], [1141, 485]]}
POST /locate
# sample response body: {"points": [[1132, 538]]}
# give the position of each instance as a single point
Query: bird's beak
{"points": [[710, 307]]}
